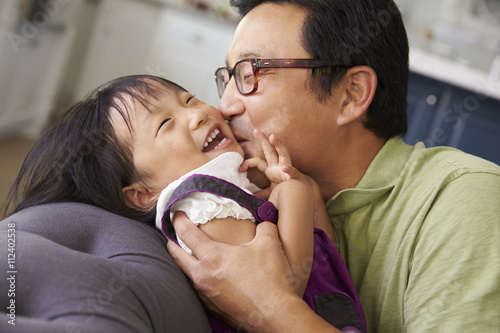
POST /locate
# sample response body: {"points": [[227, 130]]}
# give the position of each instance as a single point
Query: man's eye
{"points": [[248, 78], [190, 98]]}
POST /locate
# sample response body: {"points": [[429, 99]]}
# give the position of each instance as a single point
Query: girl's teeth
{"points": [[221, 142], [211, 138]]}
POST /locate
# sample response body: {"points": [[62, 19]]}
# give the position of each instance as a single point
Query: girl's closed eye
{"points": [[163, 123]]}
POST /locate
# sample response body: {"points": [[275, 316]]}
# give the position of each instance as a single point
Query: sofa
{"points": [[71, 267]]}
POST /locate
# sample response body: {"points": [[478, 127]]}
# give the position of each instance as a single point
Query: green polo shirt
{"points": [[420, 235]]}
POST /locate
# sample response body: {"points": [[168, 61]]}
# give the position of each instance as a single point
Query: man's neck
{"points": [[356, 159]]}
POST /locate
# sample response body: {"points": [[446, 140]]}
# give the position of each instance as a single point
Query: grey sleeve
{"points": [[81, 269]]}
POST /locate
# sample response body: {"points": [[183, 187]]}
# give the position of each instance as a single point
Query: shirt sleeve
{"points": [[454, 278]]}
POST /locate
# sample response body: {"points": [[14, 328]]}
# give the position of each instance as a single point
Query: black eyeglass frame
{"points": [[258, 64]]}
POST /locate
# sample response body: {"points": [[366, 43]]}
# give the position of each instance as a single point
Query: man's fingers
{"points": [[266, 230], [184, 260], [190, 234], [193, 238]]}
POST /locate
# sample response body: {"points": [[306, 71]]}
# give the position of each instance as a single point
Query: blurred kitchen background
{"points": [[52, 52]]}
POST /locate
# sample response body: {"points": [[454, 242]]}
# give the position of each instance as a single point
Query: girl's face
{"points": [[176, 135]]}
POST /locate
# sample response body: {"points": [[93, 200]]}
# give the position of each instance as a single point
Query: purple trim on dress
{"points": [[266, 212]]}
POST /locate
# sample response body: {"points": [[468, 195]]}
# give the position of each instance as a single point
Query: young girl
{"points": [[124, 144]]}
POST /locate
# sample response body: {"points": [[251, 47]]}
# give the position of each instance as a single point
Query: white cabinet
{"points": [[37, 45], [30, 77], [120, 42], [137, 37], [188, 47]]}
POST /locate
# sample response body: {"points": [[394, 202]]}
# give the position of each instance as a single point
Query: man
{"points": [[418, 228]]}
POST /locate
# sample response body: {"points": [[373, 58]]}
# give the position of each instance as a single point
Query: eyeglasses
{"points": [[246, 72]]}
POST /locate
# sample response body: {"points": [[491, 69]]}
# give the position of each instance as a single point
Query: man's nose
{"points": [[197, 117], [230, 104]]}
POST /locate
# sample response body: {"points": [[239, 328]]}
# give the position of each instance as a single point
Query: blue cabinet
{"points": [[443, 115]]}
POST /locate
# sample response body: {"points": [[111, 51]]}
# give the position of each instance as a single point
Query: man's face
{"points": [[283, 104]]}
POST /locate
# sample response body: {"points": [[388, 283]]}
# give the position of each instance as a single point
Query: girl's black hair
{"points": [[78, 157], [357, 32]]}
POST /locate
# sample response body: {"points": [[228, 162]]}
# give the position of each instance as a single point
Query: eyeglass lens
{"points": [[221, 78], [243, 75]]}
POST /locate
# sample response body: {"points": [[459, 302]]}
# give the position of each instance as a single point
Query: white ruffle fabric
{"points": [[201, 207]]}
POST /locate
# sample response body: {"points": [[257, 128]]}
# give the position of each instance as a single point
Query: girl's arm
{"points": [[295, 198], [278, 168], [229, 230], [295, 202]]}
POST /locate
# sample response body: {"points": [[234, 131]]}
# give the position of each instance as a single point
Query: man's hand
{"points": [[243, 284]]}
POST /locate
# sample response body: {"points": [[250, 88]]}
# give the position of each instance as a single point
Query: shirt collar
{"points": [[380, 177]]}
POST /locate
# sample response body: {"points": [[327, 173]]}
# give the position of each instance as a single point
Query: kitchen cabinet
{"points": [[35, 53], [119, 44], [188, 47], [476, 126], [426, 99], [138, 37], [28, 79], [440, 114]]}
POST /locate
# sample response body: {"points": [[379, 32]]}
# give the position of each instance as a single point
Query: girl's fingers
{"points": [[254, 162], [283, 154], [288, 169], [291, 172], [279, 163], [268, 149]]}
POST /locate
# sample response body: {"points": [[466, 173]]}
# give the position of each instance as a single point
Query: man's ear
{"points": [[139, 197], [360, 86]]}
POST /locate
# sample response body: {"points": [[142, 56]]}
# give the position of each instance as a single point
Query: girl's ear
{"points": [[139, 197], [361, 83]]}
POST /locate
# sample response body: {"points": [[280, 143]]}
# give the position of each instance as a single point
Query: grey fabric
{"points": [[82, 269]]}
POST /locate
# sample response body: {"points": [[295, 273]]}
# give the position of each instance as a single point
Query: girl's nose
{"points": [[197, 118]]}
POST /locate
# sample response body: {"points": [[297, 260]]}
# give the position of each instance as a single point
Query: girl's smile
{"points": [[172, 135]]}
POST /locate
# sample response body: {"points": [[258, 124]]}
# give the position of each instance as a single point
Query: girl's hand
{"points": [[278, 165], [278, 168]]}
